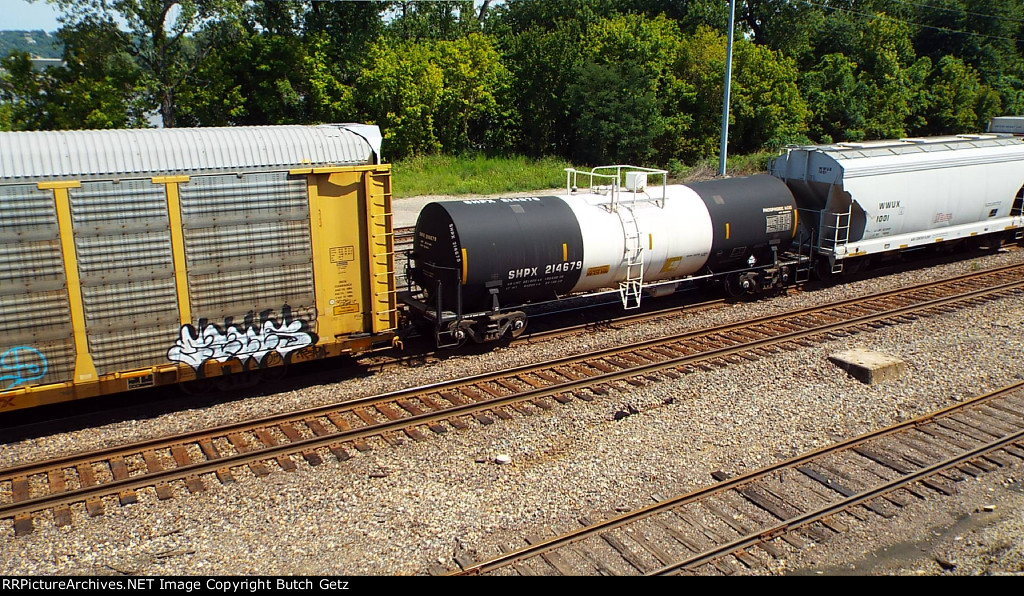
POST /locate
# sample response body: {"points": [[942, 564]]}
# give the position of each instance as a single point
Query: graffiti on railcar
{"points": [[246, 342], [21, 365]]}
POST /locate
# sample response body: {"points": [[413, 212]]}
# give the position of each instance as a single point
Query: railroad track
{"points": [[403, 238], [750, 520], [258, 447]]}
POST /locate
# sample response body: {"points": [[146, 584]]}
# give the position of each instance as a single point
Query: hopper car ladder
{"points": [[805, 250], [838, 236]]}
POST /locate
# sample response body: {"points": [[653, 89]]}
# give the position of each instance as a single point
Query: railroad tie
{"points": [[195, 484], [825, 478], [650, 546], [339, 452], [87, 478], [678, 535], [627, 554], [541, 403], [743, 529], [553, 558], [344, 426], [120, 472], [522, 567], [432, 403], [163, 491], [23, 524], [153, 464]]}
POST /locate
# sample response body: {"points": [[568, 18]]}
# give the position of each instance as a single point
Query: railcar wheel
{"points": [[993, 242], [823, 270], [196, 387], [985, 242], [734, 285], [516, 325], [459, 332], [854, 265]]}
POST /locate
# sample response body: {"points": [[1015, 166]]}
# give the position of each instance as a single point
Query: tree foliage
{"points": [[591, 80], [430, 96], [624, 96]]}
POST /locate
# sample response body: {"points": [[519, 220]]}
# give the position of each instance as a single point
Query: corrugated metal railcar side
{"points": [[137, 258]]}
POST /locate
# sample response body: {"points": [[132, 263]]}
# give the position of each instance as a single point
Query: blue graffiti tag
{"points": [[20, 365]]}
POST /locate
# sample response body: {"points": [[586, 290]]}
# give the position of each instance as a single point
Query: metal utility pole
{"points": [[723, 148]]}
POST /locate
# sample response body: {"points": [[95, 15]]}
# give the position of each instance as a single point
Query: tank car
{"points": [[134, 258], [477, 262], [863, 199]]}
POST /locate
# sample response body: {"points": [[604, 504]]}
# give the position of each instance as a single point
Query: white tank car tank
{"points": [[674, 236]]}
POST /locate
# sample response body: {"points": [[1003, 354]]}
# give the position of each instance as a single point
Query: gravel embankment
{"points": [[396, 510]]}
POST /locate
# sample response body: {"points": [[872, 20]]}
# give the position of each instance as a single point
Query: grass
{"points": [[475, 175], [481, 175], [735, 165]]}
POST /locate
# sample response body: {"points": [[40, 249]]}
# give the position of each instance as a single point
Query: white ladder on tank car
{"points": [[631, 287]]}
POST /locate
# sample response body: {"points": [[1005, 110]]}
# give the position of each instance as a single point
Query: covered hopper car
{"points": [[135, 258], [870, 198]]}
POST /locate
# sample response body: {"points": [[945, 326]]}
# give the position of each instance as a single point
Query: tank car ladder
{"points": [[805, 251], [631, 287]]}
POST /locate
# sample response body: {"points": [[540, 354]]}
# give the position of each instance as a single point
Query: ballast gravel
{"points": [[398, 510]]}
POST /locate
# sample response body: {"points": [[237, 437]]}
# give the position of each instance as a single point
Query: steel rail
{"points": [[163, 442], [554, 543], [36, 504]]}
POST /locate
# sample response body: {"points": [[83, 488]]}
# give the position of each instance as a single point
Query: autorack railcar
{"points": [[135, 258]]}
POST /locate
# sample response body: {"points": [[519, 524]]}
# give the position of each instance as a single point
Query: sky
{"points": [[17, 15], [20, 14]]}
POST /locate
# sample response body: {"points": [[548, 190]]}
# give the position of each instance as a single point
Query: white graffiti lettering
{"points": [[210, 343]]}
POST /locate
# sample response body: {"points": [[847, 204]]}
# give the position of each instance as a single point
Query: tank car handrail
{"points": [[615, 187]]}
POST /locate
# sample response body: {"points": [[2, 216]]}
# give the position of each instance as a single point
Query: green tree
{"points": [[625, 98], [22, 96], [348, 28], [439, 20], [160, 37], [94, 88], [957, 100], [836, 100], [543, 63], [400, 90], [894, 78], [287, 61], [431, 96], [766, 108], [474, 112]]}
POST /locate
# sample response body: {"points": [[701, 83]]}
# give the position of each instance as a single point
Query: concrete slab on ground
{"points": [[868, 366]]}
